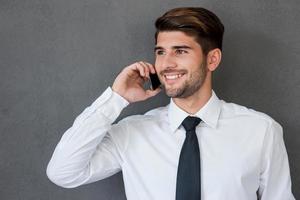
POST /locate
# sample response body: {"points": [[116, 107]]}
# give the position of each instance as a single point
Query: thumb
{"points": [[151, 93]]}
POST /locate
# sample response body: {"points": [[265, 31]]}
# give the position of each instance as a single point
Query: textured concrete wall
{"points": [[56, 57]]}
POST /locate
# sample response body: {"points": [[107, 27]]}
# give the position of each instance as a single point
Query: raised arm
{"points": [[92, 148]]}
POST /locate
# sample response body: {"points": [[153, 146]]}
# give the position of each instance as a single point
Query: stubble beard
{"points": [[190, 86]]}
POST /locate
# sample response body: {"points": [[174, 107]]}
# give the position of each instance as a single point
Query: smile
{"points": [[173, 76]]}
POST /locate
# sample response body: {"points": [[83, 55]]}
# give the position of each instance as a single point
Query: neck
{"points": [[195, 102]]}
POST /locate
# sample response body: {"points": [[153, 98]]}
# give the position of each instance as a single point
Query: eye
{"points": [[159, 52], [180, 51]]}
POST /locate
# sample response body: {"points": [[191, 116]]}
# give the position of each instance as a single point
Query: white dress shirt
{"points": [[242, 151]]}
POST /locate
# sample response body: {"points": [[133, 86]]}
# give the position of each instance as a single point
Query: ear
{"points": [[213, 59]]}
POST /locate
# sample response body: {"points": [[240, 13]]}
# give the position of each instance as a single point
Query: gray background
{"points": [[56, 57]]}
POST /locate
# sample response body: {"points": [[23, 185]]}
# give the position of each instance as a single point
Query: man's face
{"points": [[180, 64]]}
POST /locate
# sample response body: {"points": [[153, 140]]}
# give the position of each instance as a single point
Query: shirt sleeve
{"points": [[87, 151], [275, 180]]}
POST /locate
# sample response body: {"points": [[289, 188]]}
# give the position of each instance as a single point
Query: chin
{"points": [[175, 92]]}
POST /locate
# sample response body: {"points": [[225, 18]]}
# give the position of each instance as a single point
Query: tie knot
{"points": [[190, 123]]}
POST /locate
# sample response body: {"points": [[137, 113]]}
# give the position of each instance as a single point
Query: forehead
{"points": [[168, 39]]}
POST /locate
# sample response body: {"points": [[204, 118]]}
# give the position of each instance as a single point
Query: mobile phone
{"points": [[155, 83]]}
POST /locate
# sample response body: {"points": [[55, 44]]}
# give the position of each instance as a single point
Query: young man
{"points": [[197, 147]]}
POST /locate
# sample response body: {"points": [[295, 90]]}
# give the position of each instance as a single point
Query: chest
{"points": [[229, 161]]}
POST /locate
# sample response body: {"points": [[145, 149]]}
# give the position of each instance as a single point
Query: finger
{"points": [[146, 68], [141, 69], [151, 67], [132, 69]]}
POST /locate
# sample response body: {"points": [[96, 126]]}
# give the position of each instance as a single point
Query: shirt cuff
{"points": [[110, 104]]}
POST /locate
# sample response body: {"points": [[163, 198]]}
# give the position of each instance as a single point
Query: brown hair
{"points": [[200, 23]]}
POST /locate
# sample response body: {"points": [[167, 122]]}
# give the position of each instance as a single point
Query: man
{"points": [[197, 147]]}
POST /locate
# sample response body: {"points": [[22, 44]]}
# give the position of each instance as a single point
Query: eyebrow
{"points": [[173, 47]]}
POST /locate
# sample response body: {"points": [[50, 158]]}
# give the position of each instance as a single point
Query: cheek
{"points": [[186, 60], [157, 64], [195, 64]]}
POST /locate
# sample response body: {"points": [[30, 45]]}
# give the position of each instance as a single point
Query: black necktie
{"points": [[188, 174]]}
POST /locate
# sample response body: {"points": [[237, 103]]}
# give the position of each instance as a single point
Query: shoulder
{"points": [[247, 115], [153, 115]]}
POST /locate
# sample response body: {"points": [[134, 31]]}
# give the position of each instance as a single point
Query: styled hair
{"points": [[200, 23]]}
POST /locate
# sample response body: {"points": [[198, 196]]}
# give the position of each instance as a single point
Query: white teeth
{"points": [[172, 77]]}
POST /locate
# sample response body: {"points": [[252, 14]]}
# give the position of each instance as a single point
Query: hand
{"points": [[129, 83]]}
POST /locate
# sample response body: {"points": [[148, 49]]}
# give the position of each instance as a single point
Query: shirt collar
{"points": [[209, 113]]}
